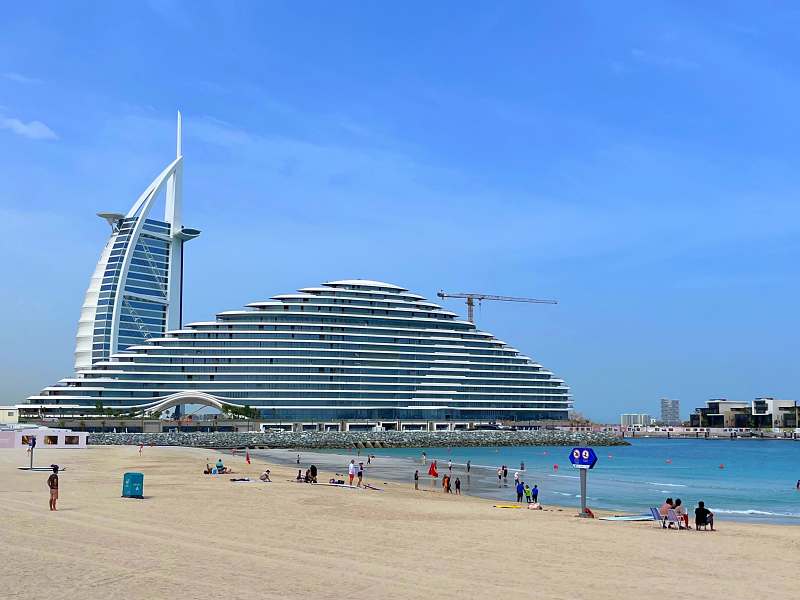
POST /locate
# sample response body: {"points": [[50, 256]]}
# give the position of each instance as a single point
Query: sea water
{"points": [[737, 479]]}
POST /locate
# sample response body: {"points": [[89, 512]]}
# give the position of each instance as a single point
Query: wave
{"points": [[667, 484], [752, 511], [564, 476]]}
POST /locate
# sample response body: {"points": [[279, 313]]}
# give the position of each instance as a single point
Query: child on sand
{"points": [[52, 483]]}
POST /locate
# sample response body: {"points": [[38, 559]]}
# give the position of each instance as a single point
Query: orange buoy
{"points": [[721, 466]]}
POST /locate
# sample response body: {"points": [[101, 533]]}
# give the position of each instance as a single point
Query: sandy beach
{"points": [[197, 536]]}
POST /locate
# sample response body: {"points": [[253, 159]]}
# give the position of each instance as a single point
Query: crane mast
{"points": [[472, 297]]}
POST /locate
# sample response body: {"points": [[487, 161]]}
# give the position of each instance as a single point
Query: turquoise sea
{"points": [[757, 481]]}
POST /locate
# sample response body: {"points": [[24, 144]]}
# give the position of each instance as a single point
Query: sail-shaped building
{"points": [[135, 292], [347, 350]]}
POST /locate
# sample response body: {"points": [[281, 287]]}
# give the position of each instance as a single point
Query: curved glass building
{"points": [[343, 351], [135, 292]]}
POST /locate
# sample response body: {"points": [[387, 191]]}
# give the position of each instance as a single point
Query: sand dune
{"points": [[196, 536]]}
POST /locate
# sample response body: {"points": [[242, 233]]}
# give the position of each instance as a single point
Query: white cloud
{"points": [[19, 78], [34, 130]]}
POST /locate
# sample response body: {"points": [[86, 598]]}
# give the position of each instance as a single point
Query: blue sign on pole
{"points": [[583, 458]]}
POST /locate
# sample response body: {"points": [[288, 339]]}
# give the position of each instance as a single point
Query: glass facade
{"points": [[143, 309], [346, 350]]}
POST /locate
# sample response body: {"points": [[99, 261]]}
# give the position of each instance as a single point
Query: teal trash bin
{"points": [[132, 485]]}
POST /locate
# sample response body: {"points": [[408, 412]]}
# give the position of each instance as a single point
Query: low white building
{"points": [[9, 414], [53, 439]]}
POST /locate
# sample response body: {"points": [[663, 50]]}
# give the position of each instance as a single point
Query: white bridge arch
{"points": [[188, 397]]}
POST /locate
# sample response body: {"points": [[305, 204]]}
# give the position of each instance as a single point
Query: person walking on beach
{"points": [[520, 490], [360, 473], [416, 480], [458, 486], [141, 447], [52, 483], [528, 494], [516, 478], [500, 477], [351, 470], [535, 493]]}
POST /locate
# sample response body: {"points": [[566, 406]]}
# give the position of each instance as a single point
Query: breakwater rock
{"points": [[359, 439]]}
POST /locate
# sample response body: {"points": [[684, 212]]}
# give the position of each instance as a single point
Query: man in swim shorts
{"points": [[351, 470]]}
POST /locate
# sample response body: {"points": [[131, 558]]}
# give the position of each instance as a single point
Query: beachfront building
{"points": [[634, 420], [342, 351], [759, 413], [670, 412], [769, 412], [135, 292], [348, 350]]}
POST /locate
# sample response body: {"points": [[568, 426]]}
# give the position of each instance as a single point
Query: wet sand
{"points": [[197, 536]]}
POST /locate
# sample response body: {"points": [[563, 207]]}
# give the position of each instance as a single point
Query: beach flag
{"points": [[432, 471], [247, 456]]}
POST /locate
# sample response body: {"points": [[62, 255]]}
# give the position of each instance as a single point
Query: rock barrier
{"points": [[359, 439]]}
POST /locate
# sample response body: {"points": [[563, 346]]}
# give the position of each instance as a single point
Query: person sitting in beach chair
{"points": [[703, 517], [680, 511], [664, 511]]}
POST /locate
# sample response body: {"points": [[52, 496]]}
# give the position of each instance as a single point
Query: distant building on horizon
{"points": [[670, 412], [634, 420], [761, 412]]}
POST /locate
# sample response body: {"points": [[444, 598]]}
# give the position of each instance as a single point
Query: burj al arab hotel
{"points": [[347, 350]]}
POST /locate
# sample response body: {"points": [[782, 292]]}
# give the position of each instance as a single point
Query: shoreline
{"points": [[480, 483]]}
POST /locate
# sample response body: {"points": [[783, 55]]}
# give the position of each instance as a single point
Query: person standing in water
{"points": [[450, 466], [298, 459], [469, 465], [52, 483], [424, 458], [500, 477], [458, 486], [505, 475], [535, 493]]}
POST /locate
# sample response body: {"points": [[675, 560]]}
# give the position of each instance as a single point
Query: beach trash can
{"points": [[132, 485]]}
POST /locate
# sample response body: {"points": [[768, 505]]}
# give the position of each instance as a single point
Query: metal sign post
{"points": [[32, 445], [583, 459]]}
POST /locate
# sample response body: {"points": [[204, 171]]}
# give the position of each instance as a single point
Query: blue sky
{"points": [[637, 162]]}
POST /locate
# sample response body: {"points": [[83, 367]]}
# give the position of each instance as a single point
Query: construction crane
{"points": [[471, 297]]}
